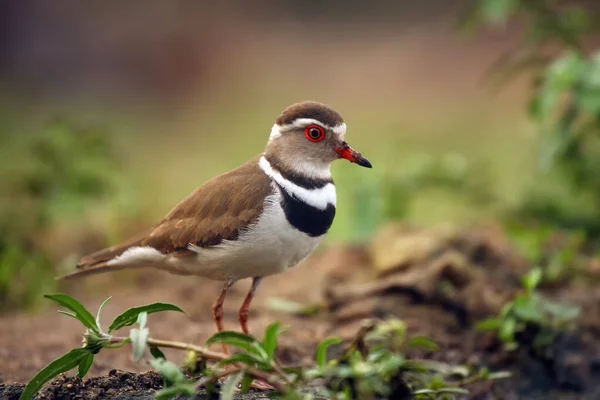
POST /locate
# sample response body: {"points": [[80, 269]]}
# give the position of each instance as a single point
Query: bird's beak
{"points": [[347, 152]]}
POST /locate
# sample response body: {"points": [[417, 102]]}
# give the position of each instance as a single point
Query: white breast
{"points": [[269, 246]]}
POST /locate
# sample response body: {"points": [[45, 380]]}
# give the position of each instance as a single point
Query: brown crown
{"points": [[310, 109]]}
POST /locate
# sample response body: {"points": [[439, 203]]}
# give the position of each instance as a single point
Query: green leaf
{"points": [[246, 358], [490, 324], [492, 376], [442, 368], [508, 330], [528, 308], [452, 390], [157, 353], [589, 94], [246, 382], [185, 389], [243, 345], [238, 339], [220, 337], [498, 11], [532, 279], [270, 340], [67, 313], [58, 366], [84, 365], [230, 386], [563, 312], [322, 350], [169, 371], [507, 309], [81, 313], [560, 78], [566, 71], [130, 316], [437, 383], [100, 311], [424, 391], [423, 342]]}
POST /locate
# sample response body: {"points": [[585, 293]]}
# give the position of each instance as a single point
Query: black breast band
{"points": [[304, 217]]}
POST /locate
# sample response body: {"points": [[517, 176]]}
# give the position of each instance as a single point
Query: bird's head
{"points": [[307, 137]]}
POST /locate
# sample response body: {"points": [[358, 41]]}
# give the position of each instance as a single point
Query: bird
{"points": [[259, 219]]}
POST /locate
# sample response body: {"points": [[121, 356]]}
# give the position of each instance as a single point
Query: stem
{"points": [[215, 356], [358, 343], [279, 369], [208, 354], [266, 377], [468, 381], [203, 381]]}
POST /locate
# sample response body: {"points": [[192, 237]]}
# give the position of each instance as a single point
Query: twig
{"points": [[279, 369], [215, 356], [358, 343], [208, 354], [203, 381]]}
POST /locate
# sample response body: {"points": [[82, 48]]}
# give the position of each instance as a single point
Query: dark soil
{"points": [[117, 385], [440, 282]]}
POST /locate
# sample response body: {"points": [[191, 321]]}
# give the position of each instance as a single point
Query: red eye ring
{"points": [[314, 133]]}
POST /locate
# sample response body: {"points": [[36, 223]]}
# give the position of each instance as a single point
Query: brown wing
{"points": [[218, 210], [214, 212]]}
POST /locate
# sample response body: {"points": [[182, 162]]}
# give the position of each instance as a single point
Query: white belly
{"points": [[268, 247]]}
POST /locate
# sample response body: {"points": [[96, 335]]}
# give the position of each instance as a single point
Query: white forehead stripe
{"points": [[340, 130], [318, 198], [298, 123], [275, 132], [304, 122]]}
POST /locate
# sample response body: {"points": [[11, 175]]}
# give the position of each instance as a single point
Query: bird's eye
{"points": [[315, 133]]}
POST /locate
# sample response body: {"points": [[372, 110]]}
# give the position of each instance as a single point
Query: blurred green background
{"points": [[111, 113]]}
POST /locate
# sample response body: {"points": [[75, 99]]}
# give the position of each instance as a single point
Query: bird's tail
{"points": [[100, 261]]}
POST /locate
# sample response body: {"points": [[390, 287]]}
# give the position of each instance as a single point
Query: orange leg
{"points": [[217, 308], [257, 384], [246, 305]]}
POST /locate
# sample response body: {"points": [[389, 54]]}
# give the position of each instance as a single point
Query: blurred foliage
{"points": [[565, 103], [530, 319], [64, 167], [559, 254], [392, 196]]}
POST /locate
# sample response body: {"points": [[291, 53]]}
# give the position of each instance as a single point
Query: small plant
{"points": [[372, 365], [94, 338], [531, 313]]}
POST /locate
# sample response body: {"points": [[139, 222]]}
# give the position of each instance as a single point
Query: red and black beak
{"points": [[352, 155]]}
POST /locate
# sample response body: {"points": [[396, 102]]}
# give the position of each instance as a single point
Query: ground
{"points": [[403, 272]]}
